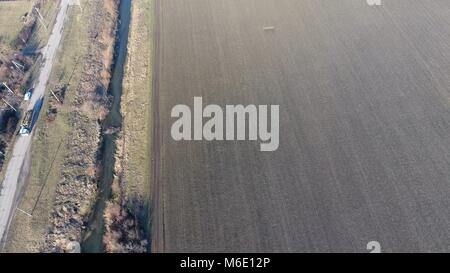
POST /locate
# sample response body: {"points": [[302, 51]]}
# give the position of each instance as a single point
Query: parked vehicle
{"points": [[28, 94], [26, 126]]}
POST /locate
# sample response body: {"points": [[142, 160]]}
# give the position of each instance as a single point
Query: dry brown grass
{"points": [[136, 101]]}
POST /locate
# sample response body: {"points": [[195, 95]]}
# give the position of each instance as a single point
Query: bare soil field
{"points": [[364, 126]]}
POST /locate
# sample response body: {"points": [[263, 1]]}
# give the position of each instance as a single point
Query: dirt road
{"points": [[364, 126], [9, 187]]}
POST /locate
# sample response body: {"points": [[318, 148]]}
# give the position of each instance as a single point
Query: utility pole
{"points": [[24, 212], [18, 66], [41, 19], [9, 104], [7, 87], [54, 95]]}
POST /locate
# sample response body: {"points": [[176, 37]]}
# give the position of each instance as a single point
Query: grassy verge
{"points": [[27, 233], [12, 19], [136, 101], [49, 11]]}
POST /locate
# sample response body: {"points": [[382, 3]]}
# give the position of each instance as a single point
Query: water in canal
{"points": [[93, 240]]}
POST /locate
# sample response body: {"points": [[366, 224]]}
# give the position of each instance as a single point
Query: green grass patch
{"points": [[12, 19]]}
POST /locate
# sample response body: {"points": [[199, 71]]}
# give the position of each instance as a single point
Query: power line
{"points": [[7, 87]]}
